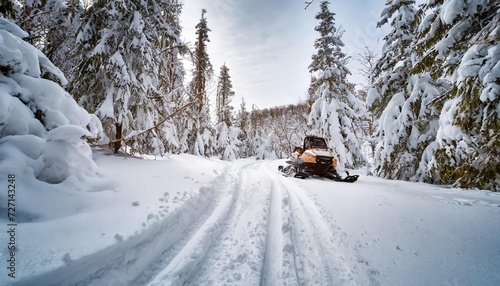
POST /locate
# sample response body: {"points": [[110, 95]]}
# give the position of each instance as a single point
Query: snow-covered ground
{"points": [[186, 220]]}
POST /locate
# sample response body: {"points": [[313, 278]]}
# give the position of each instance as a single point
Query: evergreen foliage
{"points": [[8, 9], [401, 100], [436, 93], [171, 96], [227, 141], [52, 26], [117, 78], [242, 121], [391, 72], [224, 97], [198, 134], [227, 133], [460, 40]]}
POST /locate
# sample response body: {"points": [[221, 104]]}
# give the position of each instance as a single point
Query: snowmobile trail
{"points": [[273, 234], [190, 255], [135, 260], [251, 226], [316, 257], [237, 256], [262, 232]]}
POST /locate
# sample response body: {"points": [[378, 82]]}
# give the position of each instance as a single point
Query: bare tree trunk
{"points": [[118, 143]]}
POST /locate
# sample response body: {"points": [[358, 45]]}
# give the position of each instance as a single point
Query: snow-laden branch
{"points": [[137, 133]]}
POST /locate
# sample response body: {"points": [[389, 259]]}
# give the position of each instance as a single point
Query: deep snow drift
{"points": [[194, 221]]}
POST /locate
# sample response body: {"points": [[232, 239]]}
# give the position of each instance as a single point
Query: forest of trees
{"points": [[429, 111]]}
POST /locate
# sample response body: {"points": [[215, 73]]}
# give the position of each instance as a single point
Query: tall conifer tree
{"points": [[333, 114], [393, 69], [244, 126], [198, 133], [227, 133], [171, 96], [224, 96]]}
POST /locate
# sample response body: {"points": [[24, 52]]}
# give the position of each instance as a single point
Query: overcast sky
{"points": [[267, 44]]}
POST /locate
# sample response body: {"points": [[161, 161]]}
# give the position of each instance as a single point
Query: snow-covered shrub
{"points": [[261, 147], [227, 141], [42, 128]]}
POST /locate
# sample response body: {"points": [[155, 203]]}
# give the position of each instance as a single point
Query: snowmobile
{"points": [[314, 159]]}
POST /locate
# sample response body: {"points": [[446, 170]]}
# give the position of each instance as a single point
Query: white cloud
{"points": [[267, 44]]}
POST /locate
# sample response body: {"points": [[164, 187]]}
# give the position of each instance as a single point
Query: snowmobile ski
{"points": [[301, 175], [348, 179]]}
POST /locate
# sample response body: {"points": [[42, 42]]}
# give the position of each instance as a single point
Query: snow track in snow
{"points": [[237, 256], [274, 235], [137, 257], [250, 227], [191, 257], [317, 259]]}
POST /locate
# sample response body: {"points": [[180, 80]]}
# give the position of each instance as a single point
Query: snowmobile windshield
{"points": [[318, 143]]}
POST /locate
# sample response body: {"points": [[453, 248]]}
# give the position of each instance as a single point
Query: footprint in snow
{"points": [[67, 258], [118, 237], [236, 276]]}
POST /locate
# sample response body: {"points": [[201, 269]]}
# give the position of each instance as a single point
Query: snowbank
{"points": [[192, 220], [41, 126]]}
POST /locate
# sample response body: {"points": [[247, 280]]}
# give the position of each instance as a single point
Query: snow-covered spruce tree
{"points": [[402, 99], [333, 114], [227, 141], [227, 133], [259, 134], [117, 77], [52, 26], [368, 59], [198, 134], [60, 40], [9, 9], [171, 79], [312, 94], [392, 70], [260, 146], [41, 125], [460, 40], [224, 96], [244, 136]]}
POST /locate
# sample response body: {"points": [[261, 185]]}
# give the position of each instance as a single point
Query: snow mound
{"points": [[42, 128]]}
